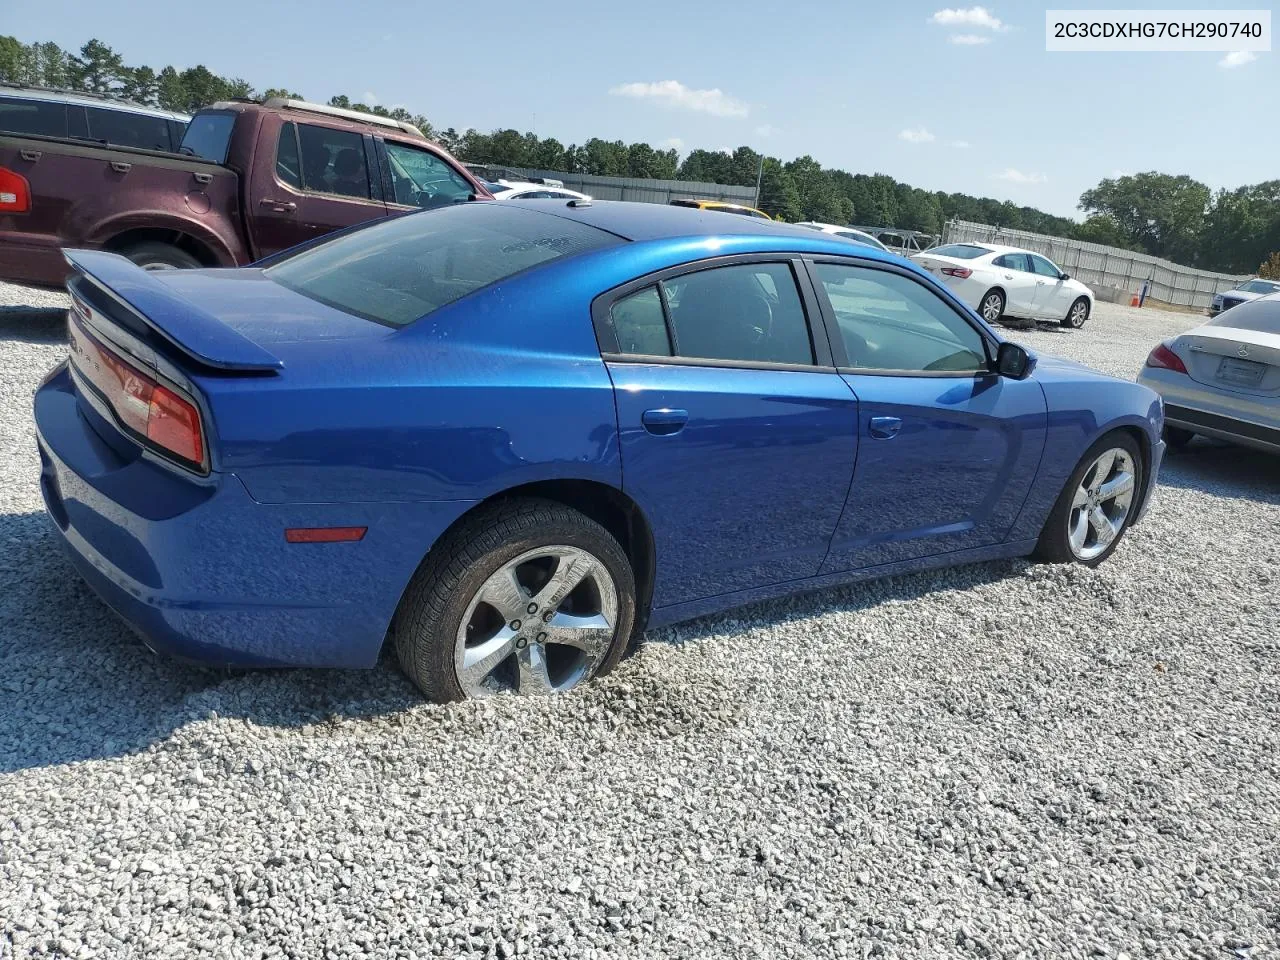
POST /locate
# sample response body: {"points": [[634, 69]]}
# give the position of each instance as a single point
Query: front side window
{"points": [[1044, 268], [397, 270], [333, 161], [208, 135], [890, 322], [288, 169], [749, 312], [421, 179], [124, 129]]}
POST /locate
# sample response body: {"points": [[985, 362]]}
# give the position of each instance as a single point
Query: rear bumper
{"points": [[202, 571], [1237, 418], [1224, 428]]}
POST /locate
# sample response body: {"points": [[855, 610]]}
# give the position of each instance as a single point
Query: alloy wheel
{"points": [[992, 307], [541, 624], [1101, 503], [1079, 313]]}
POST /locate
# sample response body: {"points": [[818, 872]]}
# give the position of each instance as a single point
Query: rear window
{"points": [[399, 270], [1262, 316], [208, 135], [961, 251], [43, 118], [124, 128]]}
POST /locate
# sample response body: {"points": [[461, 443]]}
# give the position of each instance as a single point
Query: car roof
{"points": [[87, 100], [642, 222]]}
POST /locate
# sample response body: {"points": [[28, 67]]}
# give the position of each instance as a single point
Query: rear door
{"points": [[947, 449], [1013, 273], [737, 435], [313, 179]]}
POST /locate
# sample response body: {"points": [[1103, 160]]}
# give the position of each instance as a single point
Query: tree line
{"points": [[1168, 216]]}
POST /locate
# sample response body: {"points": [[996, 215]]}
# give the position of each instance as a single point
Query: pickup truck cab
{"points": [[248, 180]]}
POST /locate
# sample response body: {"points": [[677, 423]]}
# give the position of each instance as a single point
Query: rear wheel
{"points": [[991, 306], [1078, 314], [527, 597], [1097, 504], [161, 256]]}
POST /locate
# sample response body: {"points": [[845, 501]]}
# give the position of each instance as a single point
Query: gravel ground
{"points": [[1005, 760]]}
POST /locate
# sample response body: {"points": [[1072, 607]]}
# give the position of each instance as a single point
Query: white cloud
{"points": [[968, 39], [1017, 176], [672, 143], [961, 144], [972, 17], [673, 93], [1237, 58], [767, 130], [370, 98], [916, 135]]}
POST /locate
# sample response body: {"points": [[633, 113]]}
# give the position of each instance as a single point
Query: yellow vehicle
{"points": [[722, 207]]}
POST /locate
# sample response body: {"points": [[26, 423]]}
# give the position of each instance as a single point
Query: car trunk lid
{"points": [[1239, 361]]}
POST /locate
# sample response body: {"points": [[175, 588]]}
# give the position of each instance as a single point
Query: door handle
{"points": [[279, 206], [885, 428], [31, 156], [665, 421], [119, 166], [1008, 276]]}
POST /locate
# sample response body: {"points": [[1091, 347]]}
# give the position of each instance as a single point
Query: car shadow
{"points": [[31, 326], [1215, 466]]}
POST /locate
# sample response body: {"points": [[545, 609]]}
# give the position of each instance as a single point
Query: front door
{"points": [[1053, 296], [947, 449], [736, 436], [320, 182]]}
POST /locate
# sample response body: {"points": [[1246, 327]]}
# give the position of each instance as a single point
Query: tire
{"points": [[1056, 544], [161, 256], [1177, 438], [991, 306], [456, 607], [1077, 315]]}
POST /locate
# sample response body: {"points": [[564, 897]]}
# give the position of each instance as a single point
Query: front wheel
{"points": [[1078, 314], [527, 597], [1097, 504], [991, 306]]}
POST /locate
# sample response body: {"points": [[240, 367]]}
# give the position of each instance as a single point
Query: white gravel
{"points": [[1005, 760]]}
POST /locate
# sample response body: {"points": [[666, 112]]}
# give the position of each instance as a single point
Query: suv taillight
{"points": [[147, 409], [15, 192]]}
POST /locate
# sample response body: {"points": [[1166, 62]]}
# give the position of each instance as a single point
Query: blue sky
{"points": [[965, 101]]}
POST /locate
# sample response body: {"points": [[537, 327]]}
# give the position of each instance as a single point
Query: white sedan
{"points": [[517, 190], [1006, 281], [845, 233]]}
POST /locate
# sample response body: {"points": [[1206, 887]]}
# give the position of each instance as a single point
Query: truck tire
{"points": [[161, 256]]}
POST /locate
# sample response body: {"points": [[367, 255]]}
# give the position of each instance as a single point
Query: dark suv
{"points": [[78, 116]]}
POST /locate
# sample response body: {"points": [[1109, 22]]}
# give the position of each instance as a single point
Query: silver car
{"points": [[1222, 379]]}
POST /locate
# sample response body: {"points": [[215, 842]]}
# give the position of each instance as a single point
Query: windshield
{"points": [[1260, 286], [399, 270], [208, 135], [961, 251], [1261, 316]]}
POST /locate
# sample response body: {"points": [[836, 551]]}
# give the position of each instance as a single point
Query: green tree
{"points": [[54, 66], [1100, 228], [98, 69], [283, 92], [1160, 213], [1269, 269], [141, 85], [605, 158], [171, 92], [778, 194]]}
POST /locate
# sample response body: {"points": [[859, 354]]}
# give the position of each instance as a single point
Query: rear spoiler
{"points": [[193, 331]]}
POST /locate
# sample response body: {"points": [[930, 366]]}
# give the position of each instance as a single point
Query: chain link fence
{"points": [[1113, 273]]}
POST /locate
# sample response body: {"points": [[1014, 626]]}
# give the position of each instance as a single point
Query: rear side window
{"points": [[288, 169], [396, 271], [333, 161], [1013, 261], [121, 128], [961, 251], [208, 135], [41, 118]]}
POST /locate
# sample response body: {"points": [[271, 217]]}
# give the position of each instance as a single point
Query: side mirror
{"points": [[1013, 361], [1064, 276]]}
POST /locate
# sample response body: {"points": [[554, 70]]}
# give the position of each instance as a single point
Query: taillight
{"points": [[962, 272], [1166, 359], [15, 192], [145, 407]]}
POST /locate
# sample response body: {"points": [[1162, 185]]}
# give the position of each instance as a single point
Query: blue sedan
{"points": [[508, 437]]}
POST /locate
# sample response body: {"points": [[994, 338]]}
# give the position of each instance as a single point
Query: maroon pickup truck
{"points": [[249, 180]]}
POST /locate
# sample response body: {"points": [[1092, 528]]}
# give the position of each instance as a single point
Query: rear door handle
{"points": [[885, 428], [664, 421], [279, 206], [31, 156], [119, 166]]}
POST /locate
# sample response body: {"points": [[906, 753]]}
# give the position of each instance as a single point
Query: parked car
{"points": [[1009, 282], [254, 180], [1249, 290], [844, 233], [1222, 379], [517, 190], [509, 436], [722, 207], [28, 111]]}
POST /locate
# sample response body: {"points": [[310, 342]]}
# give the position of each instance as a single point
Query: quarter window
{"points": [[891, 322], [640, 324], [121, 128], [333, 161], [421, 179], [288, 170]]}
